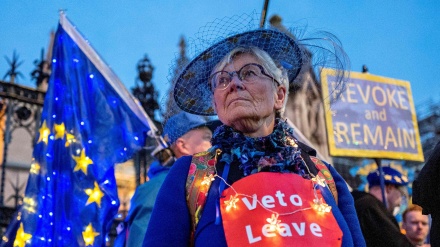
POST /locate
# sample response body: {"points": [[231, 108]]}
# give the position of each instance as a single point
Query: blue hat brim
{"points": [[192, 91]]}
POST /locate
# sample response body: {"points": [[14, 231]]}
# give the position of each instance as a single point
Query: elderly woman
{"points": [[257, 185]]}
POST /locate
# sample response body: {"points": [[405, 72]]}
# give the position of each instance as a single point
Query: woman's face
{"points": [[249, 107]]}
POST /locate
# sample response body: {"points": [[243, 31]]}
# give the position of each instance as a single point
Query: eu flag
{"points": [[89, 122]]}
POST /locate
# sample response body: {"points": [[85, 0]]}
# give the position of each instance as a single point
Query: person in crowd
{"points": [[257, 184], [186, 134], [426, 193], [376, 216], [416, 225]]}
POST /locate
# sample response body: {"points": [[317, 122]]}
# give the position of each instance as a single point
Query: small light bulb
{"points": [[319, 180], [320, 206], [274, 222], [231, 203], [207, 180]]}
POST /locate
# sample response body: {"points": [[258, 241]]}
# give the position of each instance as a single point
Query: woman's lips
{"points": [[237, 99]]}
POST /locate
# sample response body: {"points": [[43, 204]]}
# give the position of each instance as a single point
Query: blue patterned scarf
{"points": [[277, 152]]}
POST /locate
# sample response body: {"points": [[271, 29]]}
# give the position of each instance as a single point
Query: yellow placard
{"points": [[370, 117]]}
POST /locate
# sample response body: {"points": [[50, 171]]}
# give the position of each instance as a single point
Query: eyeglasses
{"points": [[249, 73]]}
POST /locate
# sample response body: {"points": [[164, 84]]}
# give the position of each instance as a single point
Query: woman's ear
{"points": [[280, 97]]}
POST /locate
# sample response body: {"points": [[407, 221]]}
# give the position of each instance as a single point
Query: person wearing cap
{"points": [[379, 226], [426, 193], [257, 184], [186, 134], [416, 225]]}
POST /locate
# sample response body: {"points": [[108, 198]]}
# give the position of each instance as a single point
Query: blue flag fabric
{"points": [[89, 122]]}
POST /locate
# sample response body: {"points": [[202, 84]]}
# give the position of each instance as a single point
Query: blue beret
{"points": [[390, 175]]}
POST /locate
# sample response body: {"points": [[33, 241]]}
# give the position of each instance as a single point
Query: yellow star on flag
{"points": [[29, 204], [82, 162], [95, 195], [44, 133], [89, 235], [69, 139], [60, 129], [35, 167], [21, 237]]}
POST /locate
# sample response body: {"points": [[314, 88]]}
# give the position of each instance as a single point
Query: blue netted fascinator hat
{"points": [[194, 78], [192, 91]]}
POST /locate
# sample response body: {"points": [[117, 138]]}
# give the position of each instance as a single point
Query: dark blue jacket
{"points": [[170, 223]]}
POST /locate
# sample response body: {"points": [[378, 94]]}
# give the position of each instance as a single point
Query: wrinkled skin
{"points": [[249, 108]]}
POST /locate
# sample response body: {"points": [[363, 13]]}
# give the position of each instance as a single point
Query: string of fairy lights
{"points": [[318, 204]]}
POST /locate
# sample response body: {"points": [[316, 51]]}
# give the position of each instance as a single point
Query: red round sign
{"points": [[276, 209]]}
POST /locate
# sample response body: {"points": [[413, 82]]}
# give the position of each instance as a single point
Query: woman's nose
{"points": [[236, 83]]}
